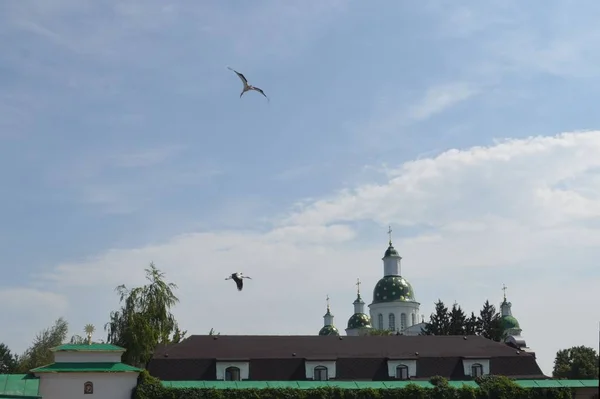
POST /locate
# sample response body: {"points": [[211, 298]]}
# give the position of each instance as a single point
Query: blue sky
{"points": [[123, 140]]}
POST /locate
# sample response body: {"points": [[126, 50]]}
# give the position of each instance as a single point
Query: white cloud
{"points": [[26, 311], [520, 212], [439, 98]]}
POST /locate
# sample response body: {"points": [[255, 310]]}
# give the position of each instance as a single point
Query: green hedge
{"points": [[489, 388]]}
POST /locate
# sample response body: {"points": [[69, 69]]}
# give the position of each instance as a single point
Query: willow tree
{"points": [[145, 319]]}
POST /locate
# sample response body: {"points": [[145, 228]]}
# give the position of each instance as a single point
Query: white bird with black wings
{"points": [[239, 280], [247, 87]]}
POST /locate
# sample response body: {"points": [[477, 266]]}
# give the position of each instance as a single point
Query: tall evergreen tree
{"points": [[472, 325], [8, 360], [458, 319], [439, 321], [144, 320], [490, 323]]}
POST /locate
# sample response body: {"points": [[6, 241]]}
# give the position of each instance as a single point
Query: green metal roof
{"points": [[366, 384], [393, 289], [88, 348], [557, 383], [460, 384], [359, 320], [19, 386], [86, 368], [329, 330]]}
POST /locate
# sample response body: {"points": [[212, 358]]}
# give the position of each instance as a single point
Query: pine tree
{"points": [[458, 320], [472, 325], [490, 323], [439, 321]]}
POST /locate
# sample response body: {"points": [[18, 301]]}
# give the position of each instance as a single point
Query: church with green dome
{"points": [[394, 307]]}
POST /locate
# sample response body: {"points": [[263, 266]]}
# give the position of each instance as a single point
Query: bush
{"points": [[489, 388]]}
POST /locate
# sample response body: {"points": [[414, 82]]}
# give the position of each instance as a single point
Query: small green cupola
{"points": [[328, 327], [359, 323], [509, 323]]}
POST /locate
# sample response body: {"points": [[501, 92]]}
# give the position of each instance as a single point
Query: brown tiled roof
{"points": [[281, 357], [325, 347]]}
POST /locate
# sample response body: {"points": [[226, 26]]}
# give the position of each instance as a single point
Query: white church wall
{"points": [[395, 308], [87, 357], [71, 385]]}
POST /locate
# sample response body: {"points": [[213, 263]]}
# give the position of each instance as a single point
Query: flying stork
{"points": [[239, 279], [247, 87]]}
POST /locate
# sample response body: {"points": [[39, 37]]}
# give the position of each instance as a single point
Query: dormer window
{"points": [[402, 372], [232, 374], [232, 369], [320, 373], [476, 370]]}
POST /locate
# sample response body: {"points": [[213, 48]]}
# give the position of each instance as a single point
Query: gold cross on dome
{"points": [[358, 283], [328, 302], [390, 234], [504, 289]]}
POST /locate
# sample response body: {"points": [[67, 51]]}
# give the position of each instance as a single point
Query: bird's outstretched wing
{"points": [[240, 284], [239, 75], [261, 92]]}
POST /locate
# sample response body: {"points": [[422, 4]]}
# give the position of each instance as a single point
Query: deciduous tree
{"points": [[39, 354], [145, 319], [578, 362], [381, 332]]}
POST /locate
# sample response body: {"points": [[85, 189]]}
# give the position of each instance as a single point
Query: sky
{"points": [[468, 127]]}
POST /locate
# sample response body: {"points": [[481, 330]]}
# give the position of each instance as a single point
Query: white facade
{"points": [[87, 357], [71, 385], [411, 364], [469, 363], [310, 365], [244, 368], [395, 316]]}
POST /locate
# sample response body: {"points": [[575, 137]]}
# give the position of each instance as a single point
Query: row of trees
{"points": [[143, 321], [444, 321]]}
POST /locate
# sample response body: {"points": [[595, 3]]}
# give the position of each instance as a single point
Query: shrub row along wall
{"points": [[489, 388]]}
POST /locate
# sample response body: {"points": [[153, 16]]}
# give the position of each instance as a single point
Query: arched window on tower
{"points": [[402, 321], [392, 322], [380, 321], [413, 318]]}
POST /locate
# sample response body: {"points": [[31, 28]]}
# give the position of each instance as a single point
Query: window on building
{"points": [[476, 370], [402, 321], [402, 372], [413, 319], [392, 321], [232, 374], [380, 321], [320, 373]]}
